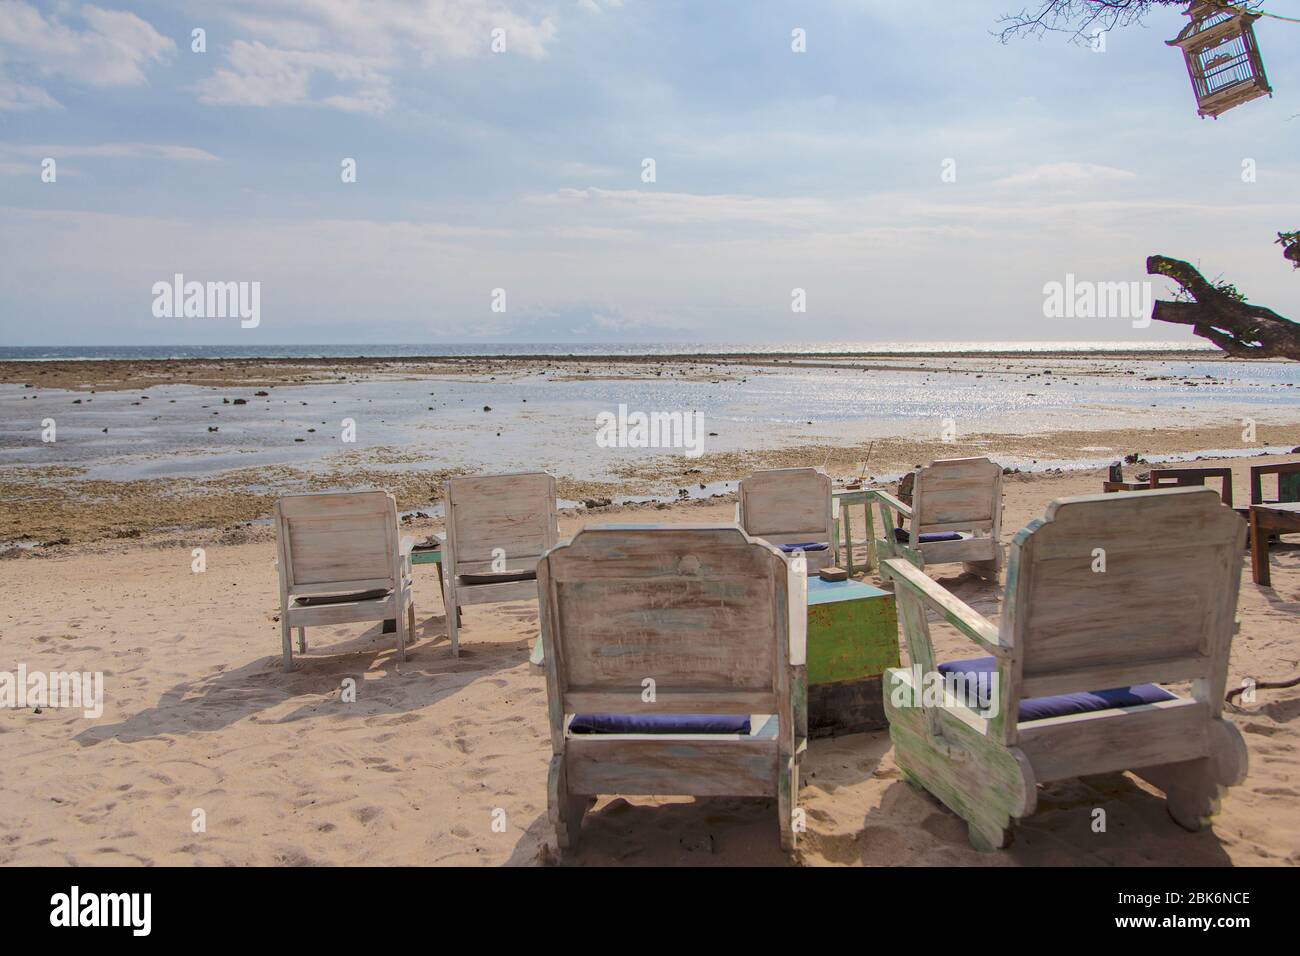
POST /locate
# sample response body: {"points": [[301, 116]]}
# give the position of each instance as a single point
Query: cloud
{"points": [[16, 97], [342, 54], [258, 75], [695, 208], [1068, 175], [117, 151], [113, 49]]}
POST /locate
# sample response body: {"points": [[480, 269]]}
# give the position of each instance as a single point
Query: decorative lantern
{"points": [[1222, 56]]}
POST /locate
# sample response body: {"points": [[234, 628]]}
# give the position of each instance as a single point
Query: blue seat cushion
{"points": [[902, 537], [808, 546], [498, 577], [1040, 708], [660, 724]]}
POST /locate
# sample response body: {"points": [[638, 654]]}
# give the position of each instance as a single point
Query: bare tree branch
{"points": [[1081, 17]]}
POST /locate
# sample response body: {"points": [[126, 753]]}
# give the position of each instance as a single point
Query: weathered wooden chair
{"points": [[674, 665], [1106, 591], [1193, 477], [1288, 483], [955, 515], [341, 561], [497, 528], [791, 508]]}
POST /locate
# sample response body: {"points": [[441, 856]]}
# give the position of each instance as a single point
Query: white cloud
{"points": [[696, 208], [16, 97], [114, 48], [343, 53], [1068, 175], [258, 75], [116, 151]]}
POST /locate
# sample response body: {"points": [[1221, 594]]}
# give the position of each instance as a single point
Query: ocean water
{"points": [[541, 420], [123, 352]]}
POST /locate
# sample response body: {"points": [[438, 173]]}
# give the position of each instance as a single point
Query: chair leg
{"points": [[565, 809], [787, 798], [302, 640], [986, 839], [410, 623], [401, 634], [287, 640], [1192, 792], [453, 625]]}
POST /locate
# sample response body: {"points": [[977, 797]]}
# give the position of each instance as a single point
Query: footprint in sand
{"points": [[1264, 730]]}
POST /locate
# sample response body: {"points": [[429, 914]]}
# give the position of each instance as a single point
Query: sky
{"points": [[524, 170]]}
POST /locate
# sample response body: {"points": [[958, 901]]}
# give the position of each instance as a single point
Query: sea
{"points": [[534, 417]]}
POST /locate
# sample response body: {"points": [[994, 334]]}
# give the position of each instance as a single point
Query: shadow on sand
{"points": [[428, 675]]}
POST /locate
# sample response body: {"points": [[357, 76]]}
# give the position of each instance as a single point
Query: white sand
{"points": [[199, 716]]}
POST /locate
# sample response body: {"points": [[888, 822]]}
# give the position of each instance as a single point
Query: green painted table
{"points": [[852, 639]]}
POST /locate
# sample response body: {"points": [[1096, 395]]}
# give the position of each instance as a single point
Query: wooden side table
{"points": [[1265, 520], [855, 496], [852, 640]]}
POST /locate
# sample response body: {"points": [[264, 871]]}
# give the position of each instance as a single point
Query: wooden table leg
{"points": [[873, 560], [1259, 551], [848, 540]]}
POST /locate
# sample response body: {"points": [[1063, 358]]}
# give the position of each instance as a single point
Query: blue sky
{"points": [[521, 170]]}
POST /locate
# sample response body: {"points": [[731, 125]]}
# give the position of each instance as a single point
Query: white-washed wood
{"points": [[707, 614], [1068, 626], [962, 495], [790, 506], [338, 543], [494, 523]]}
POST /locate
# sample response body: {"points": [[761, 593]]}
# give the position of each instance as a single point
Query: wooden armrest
{"points": [[406, 546], [954, 610], [885, 498]]}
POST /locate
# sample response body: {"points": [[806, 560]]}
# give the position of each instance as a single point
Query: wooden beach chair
{"points": [[1193, 477], [955, 515], [1288, 483], [341, 561], [497, 528], [717, 621], [791, 508], [1160, 609]]}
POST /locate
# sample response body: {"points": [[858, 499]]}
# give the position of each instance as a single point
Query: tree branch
{"points": [[1231, 323]]}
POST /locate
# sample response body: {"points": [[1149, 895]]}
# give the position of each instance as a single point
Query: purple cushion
{"points": [[1039, 708], [902, 537], [660, 724], [809, 546]]}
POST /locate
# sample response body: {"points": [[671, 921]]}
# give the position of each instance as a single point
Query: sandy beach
{"points": [[199, 717]]}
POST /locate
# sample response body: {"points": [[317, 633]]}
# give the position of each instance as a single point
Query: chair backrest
{"points": [[336, 542], [1288, 481], [1187, 477], [500, 522], [713, 616], [1114, 590], [786, 505], [957, 494]]}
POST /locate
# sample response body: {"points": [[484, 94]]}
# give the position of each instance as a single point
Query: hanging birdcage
{"points": [[1222, 56]]}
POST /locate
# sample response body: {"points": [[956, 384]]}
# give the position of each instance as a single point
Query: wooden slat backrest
{"points": [[786, 505], [508, 516], [695, 609], [956, 494], [1188, 477], [1162, 609], [348, 539], [1288, 482]]}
